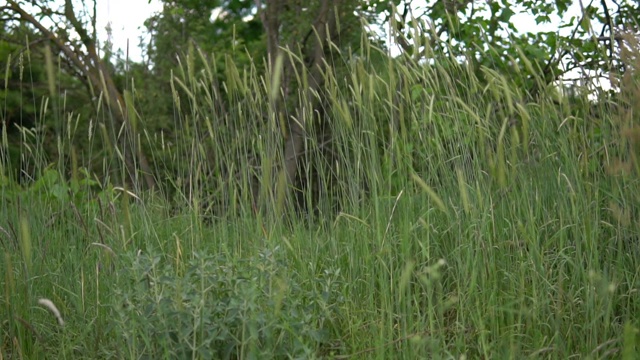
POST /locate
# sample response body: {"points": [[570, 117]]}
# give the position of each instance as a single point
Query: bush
{"points": [[213, 308]]}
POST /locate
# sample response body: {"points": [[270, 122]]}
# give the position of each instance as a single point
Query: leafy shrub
{"points": [[210, 307]]}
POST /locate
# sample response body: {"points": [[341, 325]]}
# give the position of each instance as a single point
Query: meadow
{"points": [[444, 217]]}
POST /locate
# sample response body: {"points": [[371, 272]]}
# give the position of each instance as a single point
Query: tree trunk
{"points": [[320, 33]]}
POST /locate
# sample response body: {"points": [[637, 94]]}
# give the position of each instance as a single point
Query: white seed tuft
{"points": [[53, 309]]}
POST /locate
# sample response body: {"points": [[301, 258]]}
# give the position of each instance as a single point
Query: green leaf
{"points": [[585, 24], [506, 14], [562, 6], [542, 19]]}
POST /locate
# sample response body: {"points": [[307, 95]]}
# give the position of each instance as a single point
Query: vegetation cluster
{"points": [[280, 181]]}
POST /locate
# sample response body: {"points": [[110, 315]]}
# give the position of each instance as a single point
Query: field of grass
{"points": [[452, 218]]}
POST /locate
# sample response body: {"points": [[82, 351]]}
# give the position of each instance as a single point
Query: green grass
{"points": [[456, 234]]}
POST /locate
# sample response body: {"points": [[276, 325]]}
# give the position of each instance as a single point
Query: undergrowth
{"points": [[441, 218]]}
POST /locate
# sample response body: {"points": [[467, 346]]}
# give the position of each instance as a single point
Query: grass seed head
{"points": [[49, 305]]}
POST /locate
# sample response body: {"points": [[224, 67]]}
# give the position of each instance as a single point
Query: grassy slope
{"points": [[467, 242]]}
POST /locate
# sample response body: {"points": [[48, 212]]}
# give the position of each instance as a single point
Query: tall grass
{"points": [[441, 217]]}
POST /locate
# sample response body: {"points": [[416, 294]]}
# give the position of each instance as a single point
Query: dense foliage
{"points": [[278, 180]]}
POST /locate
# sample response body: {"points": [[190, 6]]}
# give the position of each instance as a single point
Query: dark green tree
{"points": [[485, 34], [70, 32]]}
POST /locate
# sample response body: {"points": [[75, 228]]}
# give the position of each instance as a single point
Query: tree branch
{"points": [[66, 50], [95, 73]]}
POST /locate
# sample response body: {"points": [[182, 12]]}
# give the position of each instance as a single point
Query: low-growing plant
{"points": [[214, 306]]}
